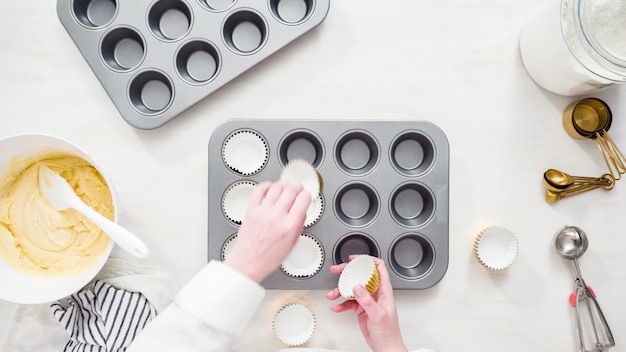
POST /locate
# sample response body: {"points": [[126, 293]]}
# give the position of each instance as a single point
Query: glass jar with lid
{"points": [[575, 47]]}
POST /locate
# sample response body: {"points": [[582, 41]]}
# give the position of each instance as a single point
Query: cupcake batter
{"points": [[35, 238]]}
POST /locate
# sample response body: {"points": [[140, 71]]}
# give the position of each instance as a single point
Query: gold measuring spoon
{"points": [[560, 184], [557, 180], [591, 118]]}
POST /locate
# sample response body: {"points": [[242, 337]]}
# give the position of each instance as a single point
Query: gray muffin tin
{"points": [[385, 193], [156, 58]]}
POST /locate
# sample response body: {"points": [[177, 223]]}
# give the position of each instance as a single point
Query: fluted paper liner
{"points": [[245, 152], [314, 211], [235, 200], [495, 247], [361, 270], [294, 324], [302, 172], [305, 259], [228, 246]]}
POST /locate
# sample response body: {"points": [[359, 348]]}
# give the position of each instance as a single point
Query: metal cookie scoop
{"points": [[61, 196], [571, 243]]}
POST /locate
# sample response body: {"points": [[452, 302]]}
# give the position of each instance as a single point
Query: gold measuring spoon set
{"points": [[589, 118]]}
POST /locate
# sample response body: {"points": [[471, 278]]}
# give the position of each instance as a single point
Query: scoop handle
{"points": [[121, 236]]}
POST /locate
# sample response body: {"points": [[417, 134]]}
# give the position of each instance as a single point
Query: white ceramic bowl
{"points": [[20, 287]]}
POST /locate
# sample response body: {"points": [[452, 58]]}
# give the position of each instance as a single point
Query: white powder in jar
{"points": [[607, 25], [548, 58]]}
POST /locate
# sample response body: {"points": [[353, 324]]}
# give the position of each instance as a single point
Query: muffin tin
{"points": [[385, 193], [155, 59]]}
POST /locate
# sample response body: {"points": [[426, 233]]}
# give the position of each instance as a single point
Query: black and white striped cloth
{"points": [[103, 318]]}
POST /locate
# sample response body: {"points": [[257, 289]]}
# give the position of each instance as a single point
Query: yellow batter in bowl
{"points": [[35, 238]]}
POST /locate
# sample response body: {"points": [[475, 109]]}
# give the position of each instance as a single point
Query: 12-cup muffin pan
{"points": [[385, 193], [156, 58]]}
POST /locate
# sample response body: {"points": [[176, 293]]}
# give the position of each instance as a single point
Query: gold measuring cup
{"points": [[591, 118], [560, 184]]}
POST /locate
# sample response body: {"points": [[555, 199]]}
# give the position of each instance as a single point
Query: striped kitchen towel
{"points": [[103, 318]]}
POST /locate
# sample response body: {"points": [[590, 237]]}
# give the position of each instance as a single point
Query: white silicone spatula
{"points": [[61, 196]]}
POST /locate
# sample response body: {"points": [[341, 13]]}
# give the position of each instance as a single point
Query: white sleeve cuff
{"points": [[221, 297]]}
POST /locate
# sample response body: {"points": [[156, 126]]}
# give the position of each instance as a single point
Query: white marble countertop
{"points": [[456, 64]]}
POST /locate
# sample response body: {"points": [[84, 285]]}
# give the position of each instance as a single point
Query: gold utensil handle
{"points": [[613, 157]]}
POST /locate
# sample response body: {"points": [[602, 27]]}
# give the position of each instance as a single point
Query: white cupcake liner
{"points": [[236, 198], [294, 324], [314, 211], [245, 152], [361, 270], [228, 246], [305, 259], [495, 247], [302, 172]]}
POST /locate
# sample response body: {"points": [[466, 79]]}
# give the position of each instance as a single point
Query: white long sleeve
{"points": [[207, 313]]}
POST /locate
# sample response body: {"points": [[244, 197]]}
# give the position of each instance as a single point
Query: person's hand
{"points": [[273, 222], [377, 314]]}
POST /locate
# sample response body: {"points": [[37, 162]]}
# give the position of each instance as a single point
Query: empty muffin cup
{"points": [[217, 5], [122, 49], [151, 92], [301, 144], [292, 11], [305, 259], [169, 20], [495, 247], [361, 270], [245, 32], [356, 204], [411, 256], [245, 152], [198, 62], [235, 200], [357, 153], [412, 153], [354, 244], [94, 13], [294, 324], [227, 247], [412, 204]]}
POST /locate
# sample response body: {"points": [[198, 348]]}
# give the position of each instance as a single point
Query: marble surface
{"points": [[454, 63]]}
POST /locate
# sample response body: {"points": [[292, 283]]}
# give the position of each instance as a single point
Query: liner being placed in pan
{"points": [[384, 194]]}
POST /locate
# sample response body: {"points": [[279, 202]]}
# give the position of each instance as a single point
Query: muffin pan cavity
{"points": [[354, 244], [412, 204], [291, 11], [356, 204], [169, 20], [357, 153], [122, 49], [217, 5], [198, 62], [301, 144], [198, 45], [412, 153], [411, 256], [94, 14], [384, 194], [151, 92], [245, 32]]}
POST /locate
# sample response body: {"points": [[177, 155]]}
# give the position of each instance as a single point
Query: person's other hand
{"points": [[273, 222], [377, 314]]}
